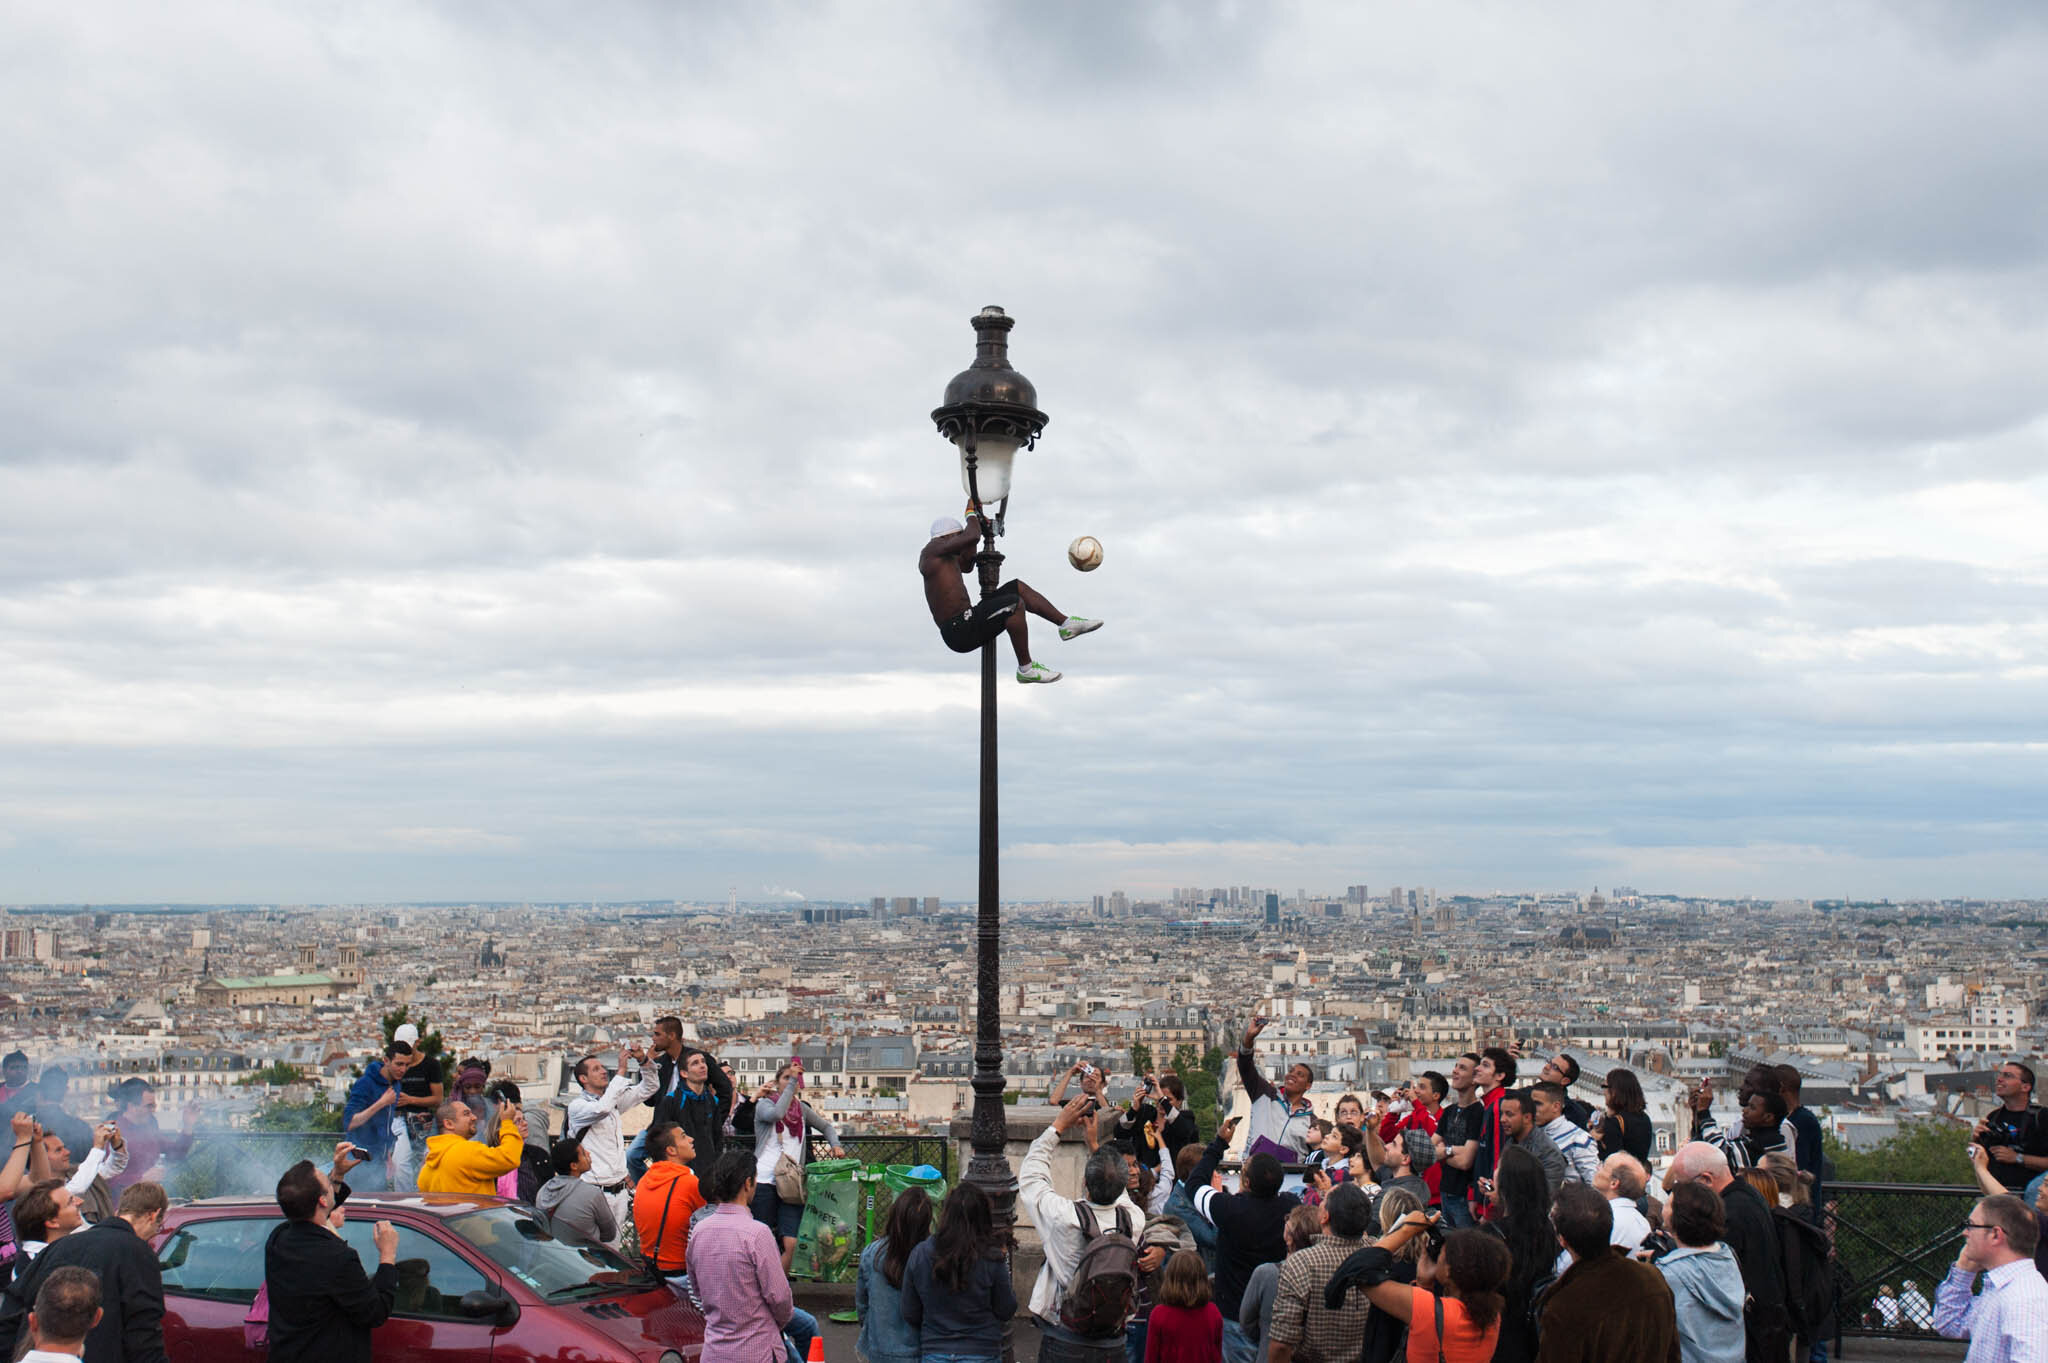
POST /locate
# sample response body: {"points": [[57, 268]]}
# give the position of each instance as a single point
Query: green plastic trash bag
{"points": [[828, 1240], [897, 1178]]}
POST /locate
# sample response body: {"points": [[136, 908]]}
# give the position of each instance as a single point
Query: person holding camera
{"points": [[1453, 1309], [322, 1305]]}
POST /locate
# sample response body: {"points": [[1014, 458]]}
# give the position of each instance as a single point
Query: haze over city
{"points": [[482, 455]]}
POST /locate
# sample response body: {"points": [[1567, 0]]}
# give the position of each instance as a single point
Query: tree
{"points": [[1141, 1059], [274, 1075], [1922, 1152], [430, 1042], [1201, 1074], [317, 1114]]}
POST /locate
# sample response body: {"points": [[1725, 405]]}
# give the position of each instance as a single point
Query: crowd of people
{"points": [[1461, 1218], [1476, 1217]]}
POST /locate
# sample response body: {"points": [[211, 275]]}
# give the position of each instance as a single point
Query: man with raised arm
{"points": [[965, 625], [594, 1117], [1279, 1114], [2005, 1315]]}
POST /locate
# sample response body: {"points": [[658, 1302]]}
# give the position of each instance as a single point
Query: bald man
{"points": [[1767, 1326]]}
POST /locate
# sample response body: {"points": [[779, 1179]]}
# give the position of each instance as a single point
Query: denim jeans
{"points": [[1236, 1348], [1057, 1344], [798, 1334], [636, 1156], [1458, 1213], [1134, 1341], [960, 1358]]}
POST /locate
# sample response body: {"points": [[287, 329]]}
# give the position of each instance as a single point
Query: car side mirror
{"points": [[483, 1304]]}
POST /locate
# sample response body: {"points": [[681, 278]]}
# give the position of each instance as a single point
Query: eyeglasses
{"points": [[1981, 1225]]}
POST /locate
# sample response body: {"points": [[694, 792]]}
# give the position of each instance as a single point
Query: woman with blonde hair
{"points": [[1795, 1185], [1385, 1336]]}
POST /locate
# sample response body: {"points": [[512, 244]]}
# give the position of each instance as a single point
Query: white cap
{"points": [[945, 525], [407, 1033]]}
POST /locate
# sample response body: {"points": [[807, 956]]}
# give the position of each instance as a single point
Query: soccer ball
{"points": [[1085, 553]]}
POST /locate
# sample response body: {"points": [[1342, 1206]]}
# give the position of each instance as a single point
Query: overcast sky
{"points": [[483, 451]]}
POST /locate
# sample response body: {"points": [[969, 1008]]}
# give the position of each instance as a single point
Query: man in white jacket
{"points": [[594, 1117], [1057, 1218]]}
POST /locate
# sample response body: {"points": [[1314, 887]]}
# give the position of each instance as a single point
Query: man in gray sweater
{"points": [[573, 1204]]}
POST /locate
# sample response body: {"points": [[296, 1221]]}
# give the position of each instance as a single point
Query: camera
{"points": [[1433, 1233]]}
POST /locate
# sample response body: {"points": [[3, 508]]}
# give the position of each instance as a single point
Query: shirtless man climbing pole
{"points": [[965, 625]]}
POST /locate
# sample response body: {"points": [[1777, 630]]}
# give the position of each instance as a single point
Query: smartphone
{"points": [[358, 1152], [1259, 1021]]}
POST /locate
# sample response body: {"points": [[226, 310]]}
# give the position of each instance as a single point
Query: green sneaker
{"points": [[1076, 626], [1037, 672]]}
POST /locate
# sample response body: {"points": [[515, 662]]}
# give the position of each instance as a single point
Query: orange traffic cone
{"points": [[817, 1350]]}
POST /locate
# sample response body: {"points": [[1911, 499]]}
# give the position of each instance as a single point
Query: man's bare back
{"points": [[965, 625], [943, 563]]}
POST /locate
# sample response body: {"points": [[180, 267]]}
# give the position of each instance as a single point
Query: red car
{"points": [[480, 1280]]}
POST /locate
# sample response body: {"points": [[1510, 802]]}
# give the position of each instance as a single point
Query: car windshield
{"points": [[556, 1266]]}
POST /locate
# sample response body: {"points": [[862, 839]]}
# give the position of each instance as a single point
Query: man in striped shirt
{"points": [[2006, 1322], [1581, 1156]]}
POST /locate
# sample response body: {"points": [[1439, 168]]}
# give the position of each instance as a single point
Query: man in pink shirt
{"points": [[736, 1276]]}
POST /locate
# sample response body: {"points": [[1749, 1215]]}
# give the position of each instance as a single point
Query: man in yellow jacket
{"points": [[457, 1164]]}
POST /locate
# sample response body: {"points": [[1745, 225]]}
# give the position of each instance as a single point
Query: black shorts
{"points": [[989, 617]]}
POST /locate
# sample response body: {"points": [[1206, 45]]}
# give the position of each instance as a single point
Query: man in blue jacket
{"points": [[367, 1115]]}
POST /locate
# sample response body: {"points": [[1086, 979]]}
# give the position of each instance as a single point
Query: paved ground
{"points": [[821, 1299]]}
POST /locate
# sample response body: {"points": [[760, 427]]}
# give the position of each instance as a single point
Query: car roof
{"points": [[430, 1204]]}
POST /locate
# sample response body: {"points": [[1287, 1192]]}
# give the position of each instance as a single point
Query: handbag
{"points": [[653, 1255], [789, 1180], [256, 1324]]}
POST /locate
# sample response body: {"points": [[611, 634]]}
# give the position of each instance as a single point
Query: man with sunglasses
{"points": [[2007, 1321]]}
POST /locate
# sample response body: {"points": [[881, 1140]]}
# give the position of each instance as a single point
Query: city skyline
{"points": [[457, 456]]}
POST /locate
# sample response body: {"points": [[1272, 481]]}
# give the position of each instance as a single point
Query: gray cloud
{"points": [[448, 458]]}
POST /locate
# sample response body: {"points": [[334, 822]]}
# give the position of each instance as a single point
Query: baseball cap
{"points": [[945, 525], [407, 1033]]}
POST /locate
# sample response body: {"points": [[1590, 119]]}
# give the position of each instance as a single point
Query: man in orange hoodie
{"points": [[665, 1199], [457, 1164]]}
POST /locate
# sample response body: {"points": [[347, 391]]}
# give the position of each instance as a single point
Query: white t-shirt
{"points": [[779, 1143]]}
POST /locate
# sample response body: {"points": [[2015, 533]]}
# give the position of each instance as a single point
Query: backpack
{"points": [[535, 1168], [1809, 1276], [1098, 1300]]}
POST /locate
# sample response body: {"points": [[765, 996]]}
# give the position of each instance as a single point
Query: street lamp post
{"points": [[990, 412]]}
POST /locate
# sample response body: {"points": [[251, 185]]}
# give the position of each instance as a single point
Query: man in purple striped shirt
{"points": [[2007, 1320], [736, 1274]]}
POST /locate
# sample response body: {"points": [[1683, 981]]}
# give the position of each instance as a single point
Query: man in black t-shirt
{"points": [[2015, 1134], [1458, 1129], [420, 1095]]}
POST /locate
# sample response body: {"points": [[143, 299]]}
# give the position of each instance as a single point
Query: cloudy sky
{"points": [[482, 451]]}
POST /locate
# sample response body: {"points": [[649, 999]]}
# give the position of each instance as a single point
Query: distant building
{"points": [[238, 992], [28, 944]]}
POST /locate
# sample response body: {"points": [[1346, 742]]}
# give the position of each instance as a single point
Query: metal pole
{"points": [[989, 1167]]}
